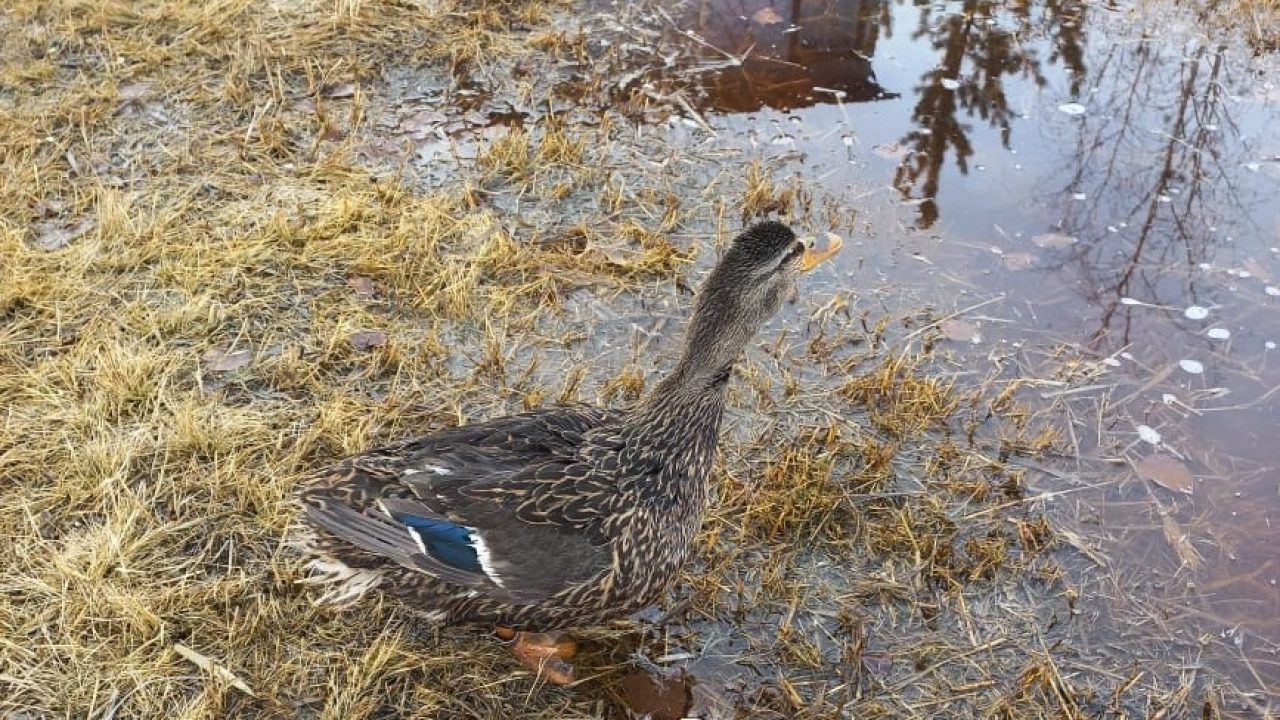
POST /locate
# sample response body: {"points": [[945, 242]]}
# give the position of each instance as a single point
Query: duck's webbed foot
{"points": [[543, 653]]}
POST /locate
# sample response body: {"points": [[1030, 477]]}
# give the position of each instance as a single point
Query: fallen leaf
{"points": [[422, 123], [959, 330], [57, 236], [367, 339], [657, 695], [1180, 542], [767, 16], [878, 665], [362, 285], [223, 359], [1053, 241], [1167, 472]]}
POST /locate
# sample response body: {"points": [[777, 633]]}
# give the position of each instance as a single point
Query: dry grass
{"points": [[207, 288], [190, 254]]}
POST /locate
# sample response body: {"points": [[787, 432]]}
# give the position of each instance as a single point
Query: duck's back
{"points": [[492, 521]]}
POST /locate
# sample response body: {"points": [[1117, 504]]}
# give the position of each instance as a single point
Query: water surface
{"points": [[1087, 177]]}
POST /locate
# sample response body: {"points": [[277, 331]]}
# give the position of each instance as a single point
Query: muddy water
{"points": [[1085, 177]]}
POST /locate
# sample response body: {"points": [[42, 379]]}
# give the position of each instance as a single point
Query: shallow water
{"points": [[1084, 176]]}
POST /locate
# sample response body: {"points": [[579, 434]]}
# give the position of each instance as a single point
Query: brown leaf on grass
{"points": [[220, 358], [959, 330], [367, 339], [362, 285], [1053, 241], [1167, 472], [55, 236], [767, 16]]}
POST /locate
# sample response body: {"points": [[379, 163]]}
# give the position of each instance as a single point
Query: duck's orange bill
{"points": [[813, 258]]}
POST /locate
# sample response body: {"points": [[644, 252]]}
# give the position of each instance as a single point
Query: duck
{"points": [[561, 517]]}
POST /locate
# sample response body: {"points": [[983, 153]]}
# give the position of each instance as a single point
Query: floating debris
{"points": [[1148, 434], [1072, 108], [1195, 367], [1218, 333], [1272, 290], [950, 83], [1053, 241], [1196, 312]]}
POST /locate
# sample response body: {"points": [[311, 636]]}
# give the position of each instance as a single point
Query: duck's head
{"points": [[743, 292]]}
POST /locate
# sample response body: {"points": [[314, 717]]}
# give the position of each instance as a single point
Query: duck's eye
{"points": [[796, 251]]}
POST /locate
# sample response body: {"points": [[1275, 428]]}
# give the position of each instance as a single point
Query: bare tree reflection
{"points": [[1159, 171], [978, 47]]}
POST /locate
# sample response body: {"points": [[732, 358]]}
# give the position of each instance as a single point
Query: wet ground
{"points": [[1015, 453], [1065, 175], [1076, 199]]}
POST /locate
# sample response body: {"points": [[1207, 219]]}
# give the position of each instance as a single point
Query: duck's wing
{"points": [[496, 508]]}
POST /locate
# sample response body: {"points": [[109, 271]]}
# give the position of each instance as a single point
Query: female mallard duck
{"points": [[558, 517]]}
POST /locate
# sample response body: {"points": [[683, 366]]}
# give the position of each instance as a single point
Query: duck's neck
{"points": [[681, 418], [676, 429]]}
